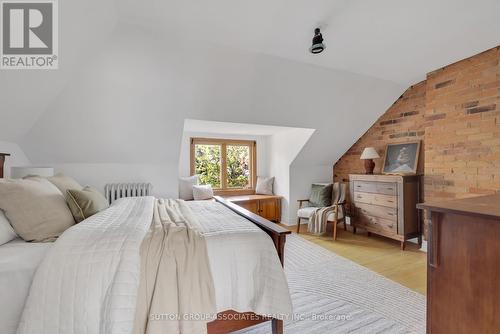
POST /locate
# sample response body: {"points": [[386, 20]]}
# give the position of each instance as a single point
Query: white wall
{"points": [[283, 149], [163, 176], [16, 158]]}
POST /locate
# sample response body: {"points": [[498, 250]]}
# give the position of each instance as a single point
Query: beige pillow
{"points": [[264, 185], [35, 207], [64, 183], [86, 202]]}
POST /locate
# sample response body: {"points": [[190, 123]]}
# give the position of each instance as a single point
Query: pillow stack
{"points": [[41, 209], [189, 189]]}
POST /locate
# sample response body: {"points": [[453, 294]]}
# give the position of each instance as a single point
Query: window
{"points": [[227, 165]]}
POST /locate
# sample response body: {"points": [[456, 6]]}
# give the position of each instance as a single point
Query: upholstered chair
{"points": [[335, 216]]}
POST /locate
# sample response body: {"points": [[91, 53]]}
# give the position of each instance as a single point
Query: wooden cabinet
{"points": [[463, 267], [386, 205], [266, 206]]}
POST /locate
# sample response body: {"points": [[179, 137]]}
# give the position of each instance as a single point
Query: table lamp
{"points": [[369, 153]]}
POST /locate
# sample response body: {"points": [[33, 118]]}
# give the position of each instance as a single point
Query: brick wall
{"points": [[455, 112]]}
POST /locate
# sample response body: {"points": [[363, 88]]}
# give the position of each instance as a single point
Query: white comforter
{"points": [[88, 281]]}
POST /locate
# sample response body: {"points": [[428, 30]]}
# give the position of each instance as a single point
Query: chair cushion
{"points": [[308, 211]]}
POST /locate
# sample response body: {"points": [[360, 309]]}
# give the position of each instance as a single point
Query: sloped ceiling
{"points": [[132, 71], [395, 40], [26, 95]]}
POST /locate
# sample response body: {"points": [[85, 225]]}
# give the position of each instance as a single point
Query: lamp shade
{"points": [[20, 172], [369, 153]]}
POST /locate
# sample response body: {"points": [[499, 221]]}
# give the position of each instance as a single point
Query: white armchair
{"points": [[338, 205]]}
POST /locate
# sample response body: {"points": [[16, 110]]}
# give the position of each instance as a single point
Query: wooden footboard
{"points": [[229, 321]]}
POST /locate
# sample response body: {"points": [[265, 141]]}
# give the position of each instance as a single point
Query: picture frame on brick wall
{"points": [[401, 158]]}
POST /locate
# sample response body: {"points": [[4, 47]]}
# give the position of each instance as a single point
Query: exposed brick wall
{"points": [[463, 148], [404, 121], [456, 114]]}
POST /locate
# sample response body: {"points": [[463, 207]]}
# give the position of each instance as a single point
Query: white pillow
{"points": [[7, 233], [264, 185], [186, 187], [202, 192]]}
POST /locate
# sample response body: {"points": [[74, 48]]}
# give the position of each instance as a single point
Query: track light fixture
{"points": [[317, 42]]}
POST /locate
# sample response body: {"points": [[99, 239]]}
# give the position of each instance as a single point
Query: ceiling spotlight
{"points": [[317, 44]]}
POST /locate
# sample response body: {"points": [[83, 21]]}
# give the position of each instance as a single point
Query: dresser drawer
{"points": [[384, 188], [376, 211], [376, 199], [377, 225]]}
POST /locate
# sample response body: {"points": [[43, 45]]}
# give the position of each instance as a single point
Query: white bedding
{"points": [[243, 261], [88, 281], [18, 262]]}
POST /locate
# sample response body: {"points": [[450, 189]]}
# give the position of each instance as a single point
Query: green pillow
{"points": [[321, 195], [85, 203]]}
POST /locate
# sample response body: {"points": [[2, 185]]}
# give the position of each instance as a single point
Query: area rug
{"points": [[331, 294]]}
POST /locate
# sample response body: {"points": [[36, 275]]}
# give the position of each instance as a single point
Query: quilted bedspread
{"points": [[89, 279]]}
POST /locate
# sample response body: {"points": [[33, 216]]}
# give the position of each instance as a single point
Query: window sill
{"points": [[233, 192]]}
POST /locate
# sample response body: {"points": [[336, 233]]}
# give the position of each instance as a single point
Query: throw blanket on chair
{"points": [[176, 285], [319, 218]]}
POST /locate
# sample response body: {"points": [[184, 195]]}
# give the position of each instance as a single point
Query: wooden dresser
{"points": [[266, 206], [463, 267], [386, 205]]}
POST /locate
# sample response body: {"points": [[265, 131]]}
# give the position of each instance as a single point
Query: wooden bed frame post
{"points": [[2, 161], [278, 235]]}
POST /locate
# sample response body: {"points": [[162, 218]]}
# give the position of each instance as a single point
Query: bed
{"points": [[87, 282], [18, 262]]}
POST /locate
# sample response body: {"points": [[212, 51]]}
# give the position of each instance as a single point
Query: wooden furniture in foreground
{"points": [[266, 206], [463, 267], [230, 320], [386, 205], [2, 161], [338, 214]]}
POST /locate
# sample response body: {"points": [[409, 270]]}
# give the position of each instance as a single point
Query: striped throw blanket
{"points": [[319, 218]]}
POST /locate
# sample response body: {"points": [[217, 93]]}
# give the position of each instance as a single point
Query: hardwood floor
{"points": [[382, 255]]}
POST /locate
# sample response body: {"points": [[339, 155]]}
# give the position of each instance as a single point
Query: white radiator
{"points": [[114, 191]]}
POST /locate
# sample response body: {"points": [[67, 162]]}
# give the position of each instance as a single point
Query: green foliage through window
{"points": [[238, 166], [208, 164]]}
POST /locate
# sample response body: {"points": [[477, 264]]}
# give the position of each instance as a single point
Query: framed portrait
{"points": [[401, 159]]}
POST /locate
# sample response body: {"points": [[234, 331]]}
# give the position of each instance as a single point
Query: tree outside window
{"points": [[224, 164]]}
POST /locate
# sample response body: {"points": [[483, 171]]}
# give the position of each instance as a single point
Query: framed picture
{"points": [[401, 158]]}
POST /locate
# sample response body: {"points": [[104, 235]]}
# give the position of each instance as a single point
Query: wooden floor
{"points": [[376, 253]]}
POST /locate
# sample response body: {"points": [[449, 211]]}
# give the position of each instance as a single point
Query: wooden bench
{"points": [[266, 206]]}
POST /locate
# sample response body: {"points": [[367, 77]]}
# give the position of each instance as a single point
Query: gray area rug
{"points": [[331, 294]]}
